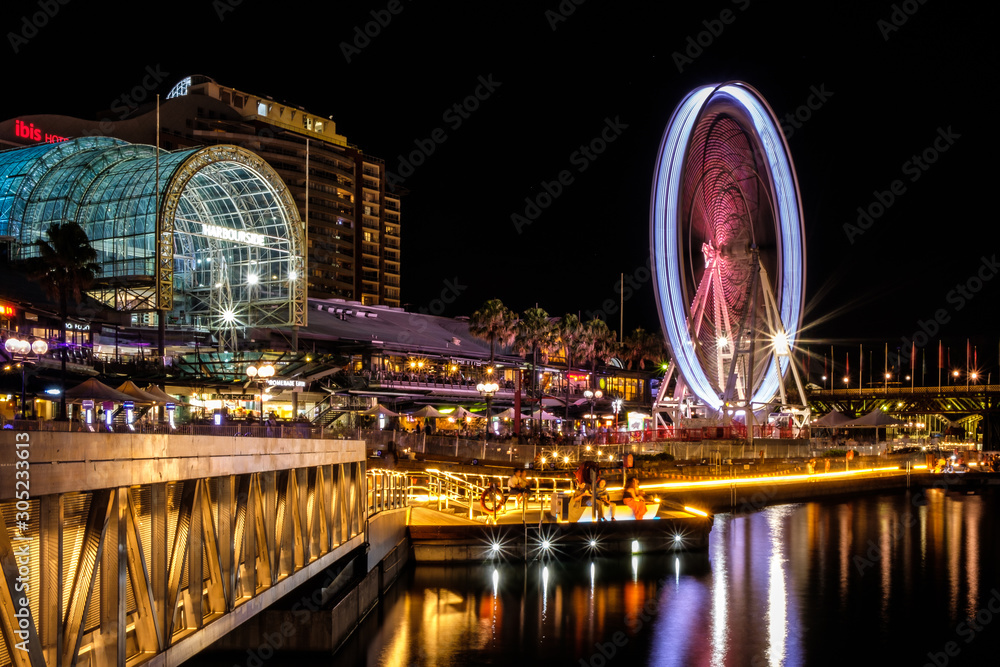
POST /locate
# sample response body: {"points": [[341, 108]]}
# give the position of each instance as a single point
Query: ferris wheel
{"points": [[728, 251]]}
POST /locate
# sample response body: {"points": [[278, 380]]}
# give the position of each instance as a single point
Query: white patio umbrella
{"points": [[379, 409], [427, 411], [546, 416]]}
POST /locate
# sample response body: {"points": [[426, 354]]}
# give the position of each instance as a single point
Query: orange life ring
{"points": [[495, 494]]}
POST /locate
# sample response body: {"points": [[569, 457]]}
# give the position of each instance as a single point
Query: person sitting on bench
{"points": [[516, 487], [634, 499], [602, 500]]}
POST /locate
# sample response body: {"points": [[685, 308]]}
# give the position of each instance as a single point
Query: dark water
{"points": [[880, 580]]}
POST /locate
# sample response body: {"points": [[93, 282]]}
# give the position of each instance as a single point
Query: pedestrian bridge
{"points": [[121, 549]]}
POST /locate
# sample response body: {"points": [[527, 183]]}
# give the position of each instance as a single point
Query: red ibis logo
{"points": [[29, 131]]}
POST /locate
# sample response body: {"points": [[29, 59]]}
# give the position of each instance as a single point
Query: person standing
{"points": [[390, 455]]}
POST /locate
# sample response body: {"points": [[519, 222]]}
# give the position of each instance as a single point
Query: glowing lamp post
{"points": [[260, 375], [488, 388], [616, 407], [25, 352], [593, 397]]}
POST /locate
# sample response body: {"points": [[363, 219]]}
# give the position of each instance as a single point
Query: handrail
{"points": [[301, 430], [386, 490], [465, 489]]}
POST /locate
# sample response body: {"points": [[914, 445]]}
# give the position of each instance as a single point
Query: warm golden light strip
{"points": [[754, 480], [694, 511]]}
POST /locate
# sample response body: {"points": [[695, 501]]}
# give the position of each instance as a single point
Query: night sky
{"points": [[886, 80]]}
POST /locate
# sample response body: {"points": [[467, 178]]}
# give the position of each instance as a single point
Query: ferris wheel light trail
{"points": [[666, 242]]}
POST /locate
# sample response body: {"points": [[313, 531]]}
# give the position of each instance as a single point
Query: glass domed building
{"points": [[209, 236]]}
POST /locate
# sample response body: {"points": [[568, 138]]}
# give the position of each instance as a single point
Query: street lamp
{"points": [[616, 406], [592, 396], [487, 389], [25, 352], [259, 374]]}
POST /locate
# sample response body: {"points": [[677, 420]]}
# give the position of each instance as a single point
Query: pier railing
{"points": [[466, 491], [387, 490]]}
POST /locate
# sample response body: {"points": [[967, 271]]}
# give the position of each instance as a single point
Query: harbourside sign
{"points": [[238, 235]]}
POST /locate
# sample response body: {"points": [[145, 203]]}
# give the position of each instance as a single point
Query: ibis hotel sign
{"points": [[30, 132]]}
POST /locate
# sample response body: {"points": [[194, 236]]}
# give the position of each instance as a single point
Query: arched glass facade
{"points": [[216, 240]]}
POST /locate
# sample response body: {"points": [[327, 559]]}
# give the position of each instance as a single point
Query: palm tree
{"points": [[495, 323], [571, 336], [535, 335], [65, 266], [603, 343], [642, 345]]}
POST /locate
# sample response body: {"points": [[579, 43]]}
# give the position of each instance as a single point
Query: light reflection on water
{"points": [[876, 580]]}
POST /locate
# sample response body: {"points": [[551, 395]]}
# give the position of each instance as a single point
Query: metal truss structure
{"points": [[157, 571], [970, 407]]}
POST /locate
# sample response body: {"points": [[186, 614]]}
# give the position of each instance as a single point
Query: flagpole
{"points": [[861, 367], [940, 362], [968, 344]]}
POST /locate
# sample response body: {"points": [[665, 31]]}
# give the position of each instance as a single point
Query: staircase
{"points": [[335, 406], [119, 416]]}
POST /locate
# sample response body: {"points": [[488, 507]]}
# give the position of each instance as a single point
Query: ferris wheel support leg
{"points": [[701, 301], [660, 405], [777, 331], [724, 351], [745, 391]]}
